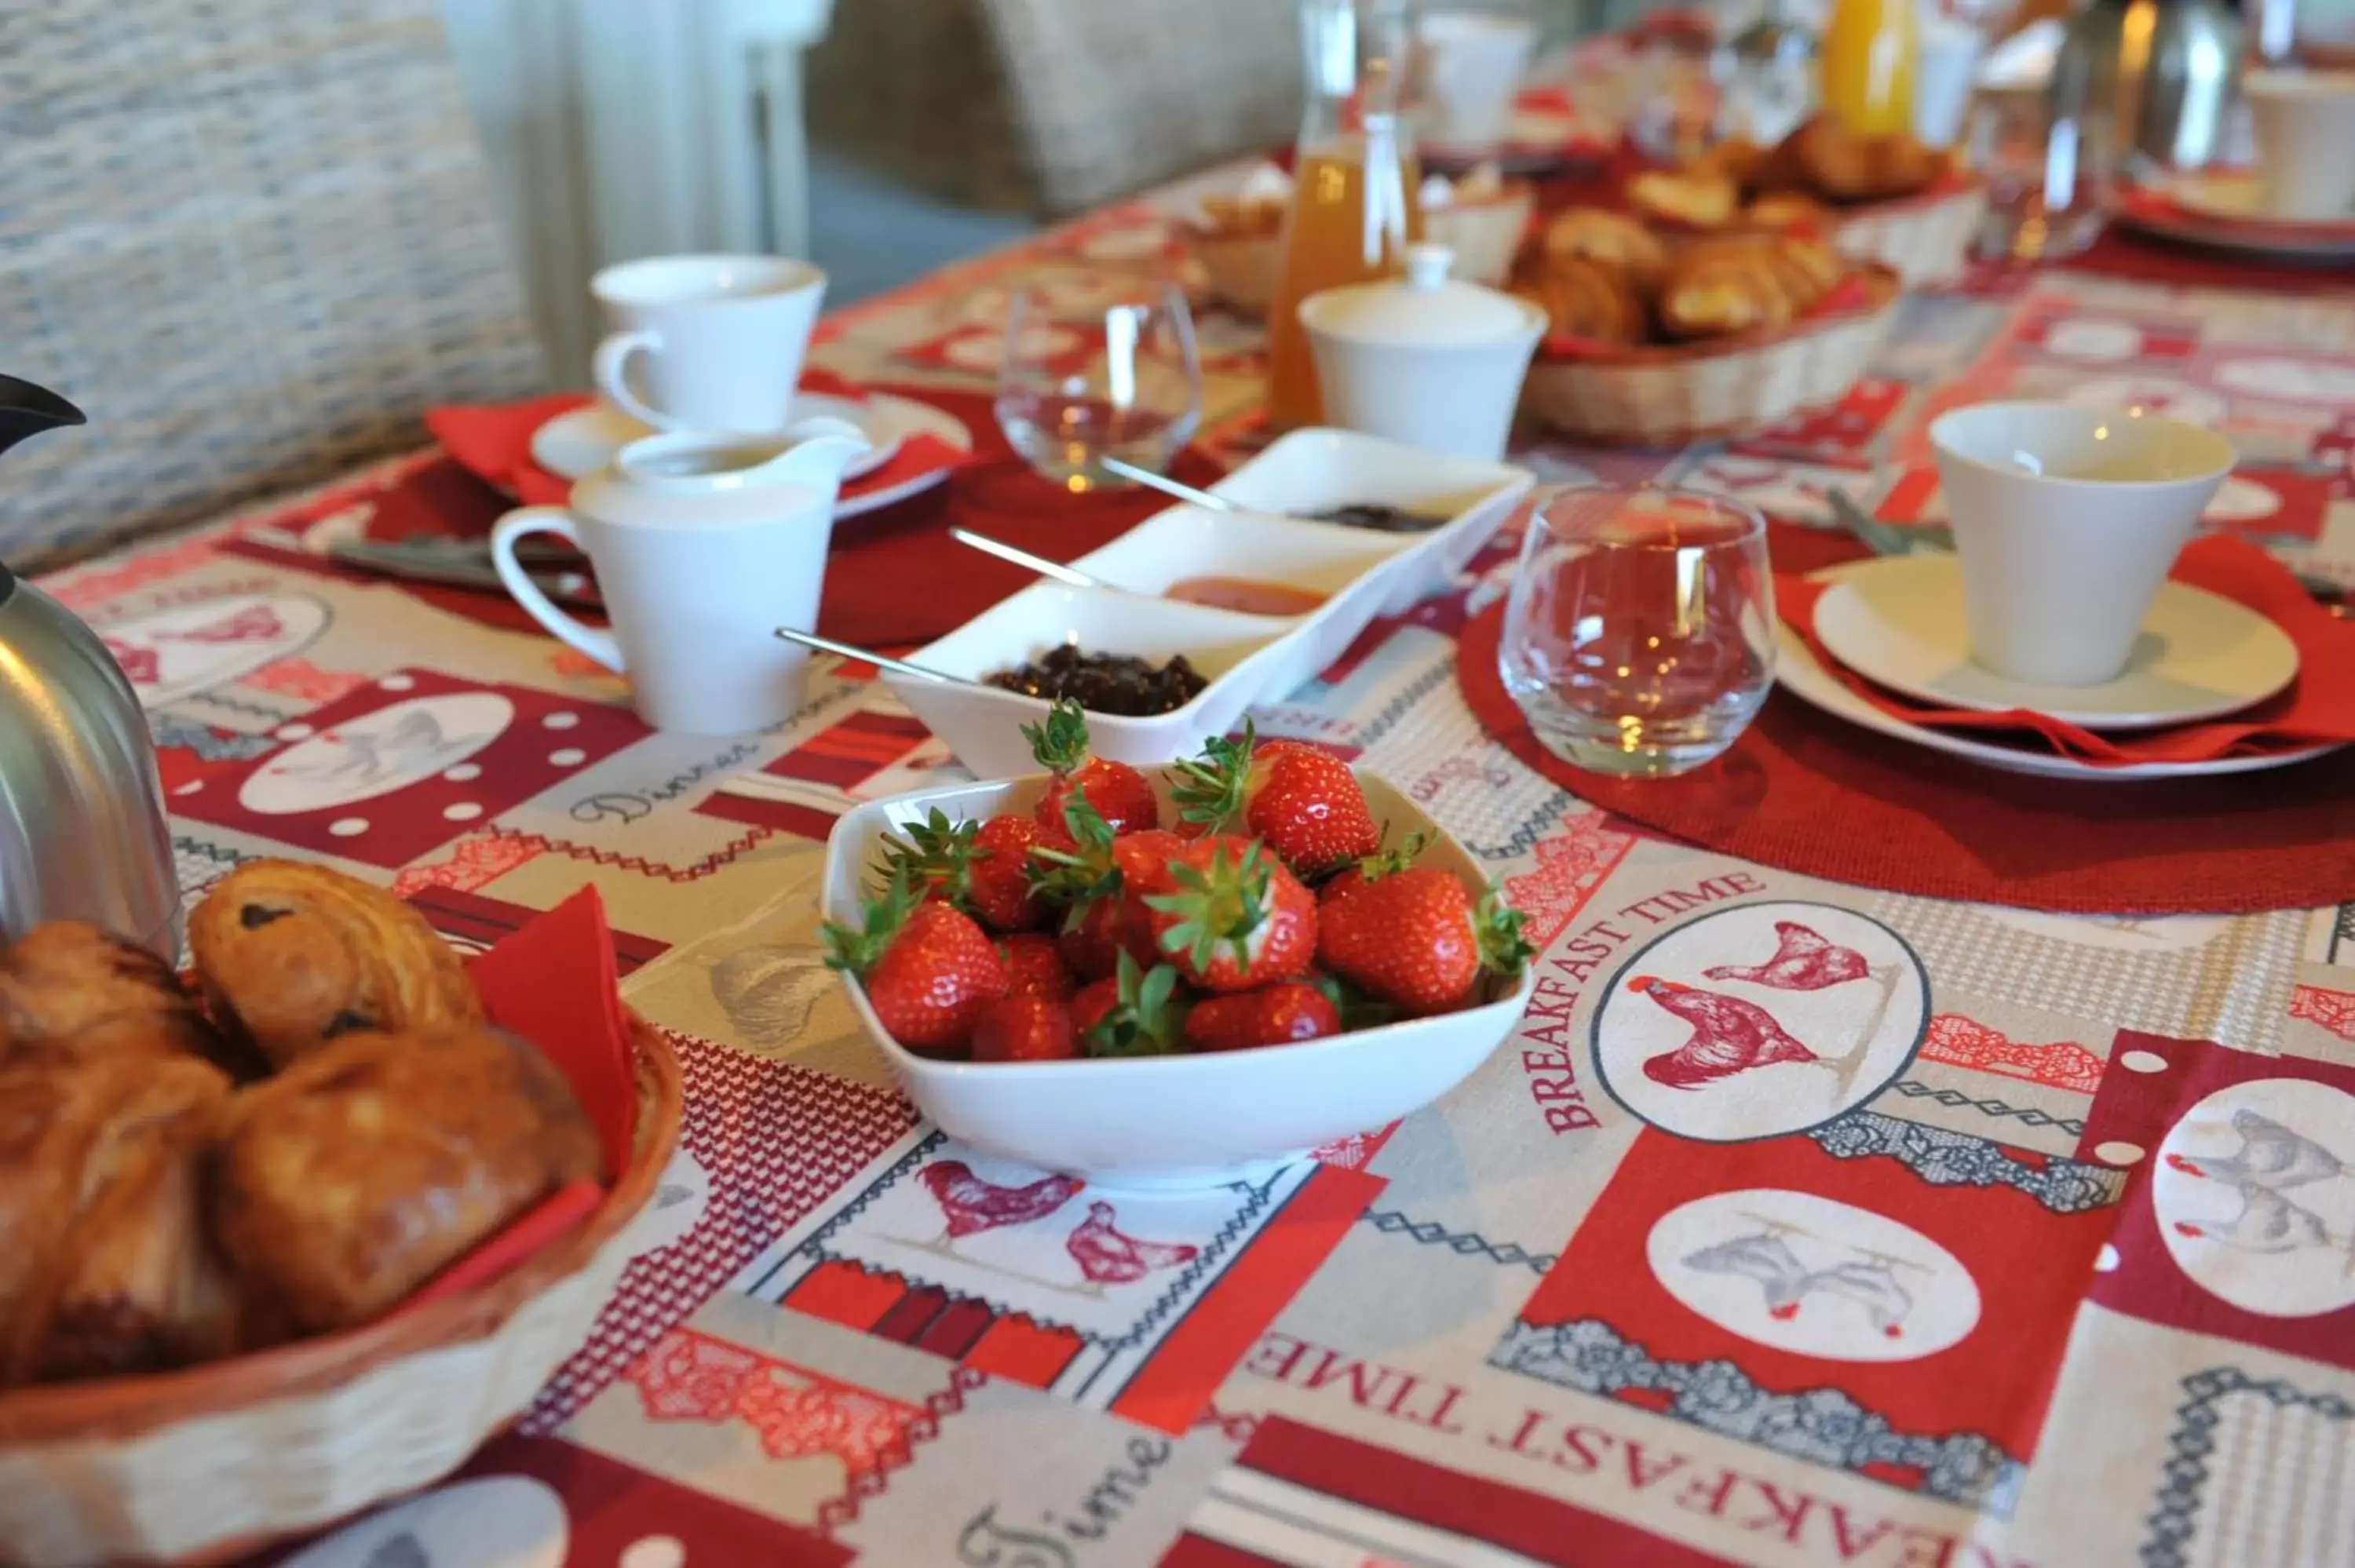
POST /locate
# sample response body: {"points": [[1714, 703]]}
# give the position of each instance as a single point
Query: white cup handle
{"points": [[598, 645], [609, 369]]}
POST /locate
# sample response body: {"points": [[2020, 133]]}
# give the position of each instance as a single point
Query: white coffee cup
{"points": [[2066, 520], [1473, 65], [2306, 140], [714, 342], [703, 545]]}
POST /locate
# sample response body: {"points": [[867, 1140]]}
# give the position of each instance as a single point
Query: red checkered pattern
{"points": [[776, 1140]]}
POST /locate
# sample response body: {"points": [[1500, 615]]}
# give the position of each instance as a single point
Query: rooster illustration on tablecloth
{"points": [[1868, 1279], [973, 1205]]}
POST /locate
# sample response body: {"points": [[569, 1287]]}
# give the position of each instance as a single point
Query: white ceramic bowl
{"points": [[1314, 470], [1247, 659], [1174, 1122]]}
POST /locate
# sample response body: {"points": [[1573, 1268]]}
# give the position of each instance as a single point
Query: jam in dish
{"points": [[1106, 682], [1382, 518], [1246, 595]]}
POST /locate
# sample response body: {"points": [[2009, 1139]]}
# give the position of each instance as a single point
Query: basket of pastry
{"points": [[1876, 199], [301, 1234], [1660, 339]]}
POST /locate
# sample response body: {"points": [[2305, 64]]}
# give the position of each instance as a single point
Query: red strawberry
{"points": [[1100, 932], [1137, 1012], [997, 877], [1037, 968], [1415, 939], [1091, 877], [928, 971], [1121, 795], [983, 868], [1025, 1029], [1306, 803], [1382, 863], [1272, 1015], [1235, 918]]}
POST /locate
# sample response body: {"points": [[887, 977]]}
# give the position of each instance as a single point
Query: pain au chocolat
{"points": [[292, 957]]}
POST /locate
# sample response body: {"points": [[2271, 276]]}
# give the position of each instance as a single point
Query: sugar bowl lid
{"points": [[1426, 310]]}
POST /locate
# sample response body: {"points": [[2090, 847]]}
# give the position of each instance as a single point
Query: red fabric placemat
{"points": [[1804, 791]]}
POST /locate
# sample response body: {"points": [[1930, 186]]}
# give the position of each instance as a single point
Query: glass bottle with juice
{"points": [[1866, 63], [1354, 204]]}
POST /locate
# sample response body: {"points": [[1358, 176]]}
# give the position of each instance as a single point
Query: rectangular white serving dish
{"points": [[1167, 1123], [1247, 659]]}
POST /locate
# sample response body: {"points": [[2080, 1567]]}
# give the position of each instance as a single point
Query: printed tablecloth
{"points": [[2046, 1256]]}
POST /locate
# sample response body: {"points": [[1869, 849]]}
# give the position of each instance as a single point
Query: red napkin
{"points": [[494, 442], [2318, 707], [555, 982]]}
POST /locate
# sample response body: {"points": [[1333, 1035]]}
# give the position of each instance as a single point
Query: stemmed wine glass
{"points": [[1088, 374]]}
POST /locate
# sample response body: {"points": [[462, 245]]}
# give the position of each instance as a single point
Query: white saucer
{"points": [[1899, 622], [1797, 672], [575, 445], [2225, 208]]}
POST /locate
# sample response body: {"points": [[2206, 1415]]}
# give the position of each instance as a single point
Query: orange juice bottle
{"points": [[1354, 204], [1866, 64]]}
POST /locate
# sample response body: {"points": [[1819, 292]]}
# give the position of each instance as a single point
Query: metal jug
{"points": [[82, 831], [2148, 77]]}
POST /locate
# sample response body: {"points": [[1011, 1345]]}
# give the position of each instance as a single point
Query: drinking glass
{"points": [[1118, 378], [2046, 169], [1639, 635]]}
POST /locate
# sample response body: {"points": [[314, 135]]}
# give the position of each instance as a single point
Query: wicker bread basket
{"points": [[1242, 270], [1670, 394], [205, 1465], [1926, 238]]}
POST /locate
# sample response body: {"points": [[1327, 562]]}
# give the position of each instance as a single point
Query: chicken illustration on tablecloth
{"points": [[1729, 1035], [973, 1205], [2269, 1158], [1868, 1279], [1804, 960], [1108, 1257], [144, 666], [1733, 1035]]}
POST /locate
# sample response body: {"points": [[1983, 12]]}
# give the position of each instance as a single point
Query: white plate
{"points": [[2224, 210], [1899, 623], [575, 445], [1169, 1123], [1797, 672], [1247, 659]]}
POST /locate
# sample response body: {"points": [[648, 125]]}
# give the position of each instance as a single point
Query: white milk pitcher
{"points": [[703, 545]]}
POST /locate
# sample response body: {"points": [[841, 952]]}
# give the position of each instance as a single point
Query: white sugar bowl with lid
{"points": [[1424, 360]]}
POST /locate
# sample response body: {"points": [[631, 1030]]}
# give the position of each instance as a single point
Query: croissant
{"points": [[370, 1164], [1589, 298], [1593, 234], [1703, 199], [1733, 284], [1737, 158], [71, 992], [293, 956], [108, 1268], [1786, 210]]}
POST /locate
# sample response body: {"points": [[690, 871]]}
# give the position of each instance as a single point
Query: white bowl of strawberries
{"points": [[1173, 981]]}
